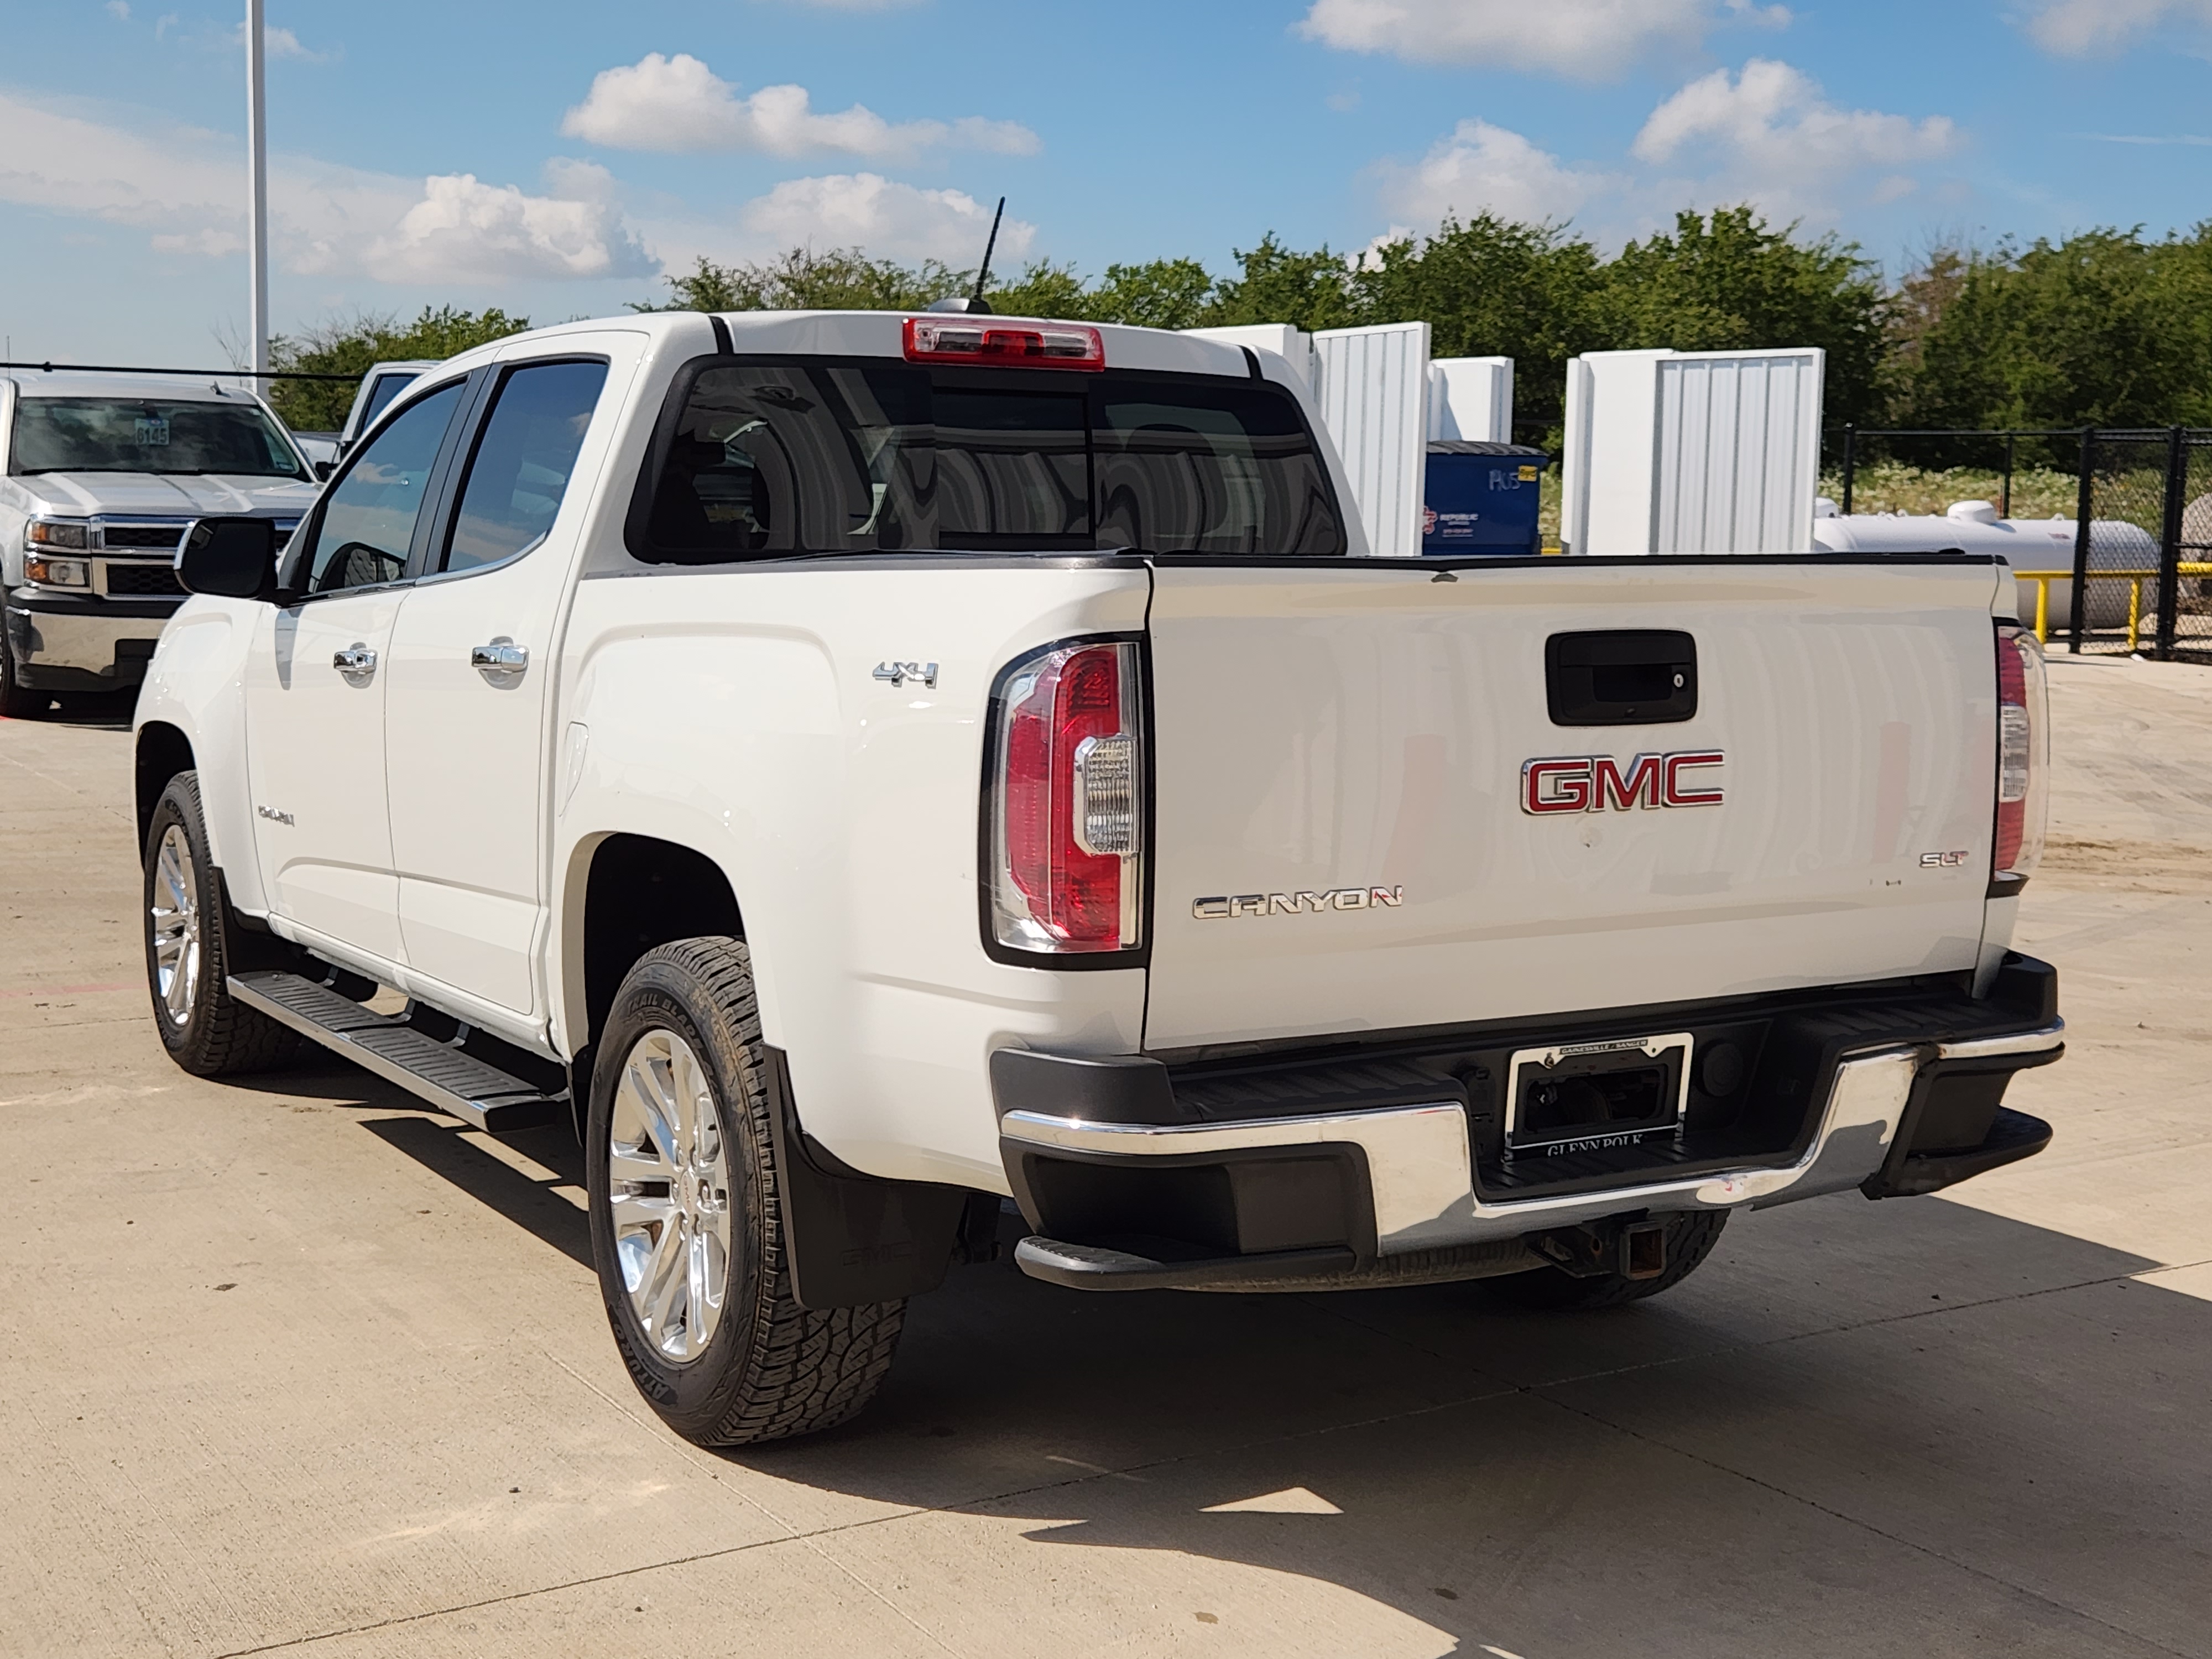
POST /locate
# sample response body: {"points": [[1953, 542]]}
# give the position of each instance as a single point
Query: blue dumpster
{"points": [[1481, 498]]}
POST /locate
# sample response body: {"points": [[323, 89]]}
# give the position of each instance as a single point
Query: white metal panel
{"points": [[1374, 389], [1472, 398], [1737, 456], [1611, 452], [1692, 451]]}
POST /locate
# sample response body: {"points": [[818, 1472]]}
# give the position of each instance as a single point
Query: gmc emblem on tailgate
{"points": [[1599, 783]]}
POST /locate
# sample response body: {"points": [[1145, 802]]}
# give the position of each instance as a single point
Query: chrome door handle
{"points": [[357, 662], [502, 659]]}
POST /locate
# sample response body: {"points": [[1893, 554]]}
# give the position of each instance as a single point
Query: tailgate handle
{"points": [[1621, 677]]}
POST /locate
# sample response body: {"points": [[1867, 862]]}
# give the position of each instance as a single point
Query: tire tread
{"points": [[807, 1369]]}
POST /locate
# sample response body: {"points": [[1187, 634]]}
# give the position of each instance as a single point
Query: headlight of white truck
{"points": [[57, 532], [50, 572]]}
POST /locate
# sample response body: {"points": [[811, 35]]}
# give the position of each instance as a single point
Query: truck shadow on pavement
{"points": [[1907, 1427]]}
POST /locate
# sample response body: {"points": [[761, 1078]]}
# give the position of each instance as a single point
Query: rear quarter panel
{"points": [[736, 712]]}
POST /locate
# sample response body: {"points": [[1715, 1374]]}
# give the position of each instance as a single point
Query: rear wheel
{"points": [[686, 1232], [190, 941], [1690, 1239]]}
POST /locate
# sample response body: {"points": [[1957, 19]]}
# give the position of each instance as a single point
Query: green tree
{"points": [[1160, 293], [349, 347], [1276, 284], [2102, 329], [1490, 288], [1729, 281], [1041, 290], [802, 279]]}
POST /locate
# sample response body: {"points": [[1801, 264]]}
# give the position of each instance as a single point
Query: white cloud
{"points": [[1768, 135], [1482, 169], [888, 219], [1588, 40], [2076, 29], [278, 43], [677, 103], [119, 9], [186, 189], [466, 231]]}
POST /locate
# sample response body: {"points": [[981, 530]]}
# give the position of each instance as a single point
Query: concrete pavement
{"points": [[290, 1366]]}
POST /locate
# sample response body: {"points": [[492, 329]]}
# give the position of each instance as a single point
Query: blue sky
{"points": [[554, 158]]}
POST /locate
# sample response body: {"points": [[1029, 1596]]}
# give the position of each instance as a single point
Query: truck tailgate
{"points": [[1324, 732]]}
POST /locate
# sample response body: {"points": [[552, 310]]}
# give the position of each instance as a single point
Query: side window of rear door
{"points": [[360, 534], [524, 457]]}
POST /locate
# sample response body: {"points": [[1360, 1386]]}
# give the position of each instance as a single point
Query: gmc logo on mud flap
{"points": [[1599, 783]]}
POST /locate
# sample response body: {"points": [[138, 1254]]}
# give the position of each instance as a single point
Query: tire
{"points": [[680, 1106], [18, 701], [192, 942], [1690, 1239]]}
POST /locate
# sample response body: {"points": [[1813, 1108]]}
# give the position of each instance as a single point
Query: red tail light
{"points": [[2023, 753], [1066, 814], [1003, 345]]}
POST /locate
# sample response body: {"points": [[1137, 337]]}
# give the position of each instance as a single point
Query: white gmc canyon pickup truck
{"points": [[864, 768]]}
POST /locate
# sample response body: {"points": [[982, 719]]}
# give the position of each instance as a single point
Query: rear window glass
{"points": [[814, 457]]}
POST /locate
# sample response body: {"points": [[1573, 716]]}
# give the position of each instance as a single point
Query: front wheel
{"points": [[1690, 1239], [190, 937], [18, 701], [686, 1230]]}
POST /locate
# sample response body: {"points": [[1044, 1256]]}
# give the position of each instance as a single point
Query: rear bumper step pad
{"points": [[1097, 1267], [478, 1094]]}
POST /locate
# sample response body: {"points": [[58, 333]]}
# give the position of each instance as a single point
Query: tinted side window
{"points": [[367, 520], [520, 470]]}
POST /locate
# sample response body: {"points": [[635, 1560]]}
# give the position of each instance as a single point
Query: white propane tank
{"points": [[2024, 544]]}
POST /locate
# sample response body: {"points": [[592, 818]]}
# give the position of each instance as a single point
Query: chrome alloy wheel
{"points": [[173, 917], [668, 1193]]}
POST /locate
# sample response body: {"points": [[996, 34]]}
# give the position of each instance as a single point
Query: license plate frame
{"points": [[1620, 1058]]}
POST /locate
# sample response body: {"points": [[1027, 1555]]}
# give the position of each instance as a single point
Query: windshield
{"points": [[131, 434], [820, 457]]}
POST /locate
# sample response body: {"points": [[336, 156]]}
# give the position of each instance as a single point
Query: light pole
{"points": [[257, 204]]}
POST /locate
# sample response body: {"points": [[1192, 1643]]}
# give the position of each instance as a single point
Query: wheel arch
{"points": [[163, 751], [626, 894]]}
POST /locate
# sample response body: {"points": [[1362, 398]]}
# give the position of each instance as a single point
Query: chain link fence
{"points": [[2140, 503], [2143, 551]]}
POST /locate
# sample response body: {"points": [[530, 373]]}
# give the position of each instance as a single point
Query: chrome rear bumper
{"points": [[1419, 1169]]}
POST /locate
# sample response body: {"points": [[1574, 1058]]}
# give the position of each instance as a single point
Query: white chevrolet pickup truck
{"points": [[863, 769], [99, 476]]}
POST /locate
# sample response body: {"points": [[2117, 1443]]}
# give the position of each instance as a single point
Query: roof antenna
{"points": [[975, 304]]}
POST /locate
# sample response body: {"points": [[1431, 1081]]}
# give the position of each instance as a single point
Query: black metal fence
{"points": [[2140, 577]]}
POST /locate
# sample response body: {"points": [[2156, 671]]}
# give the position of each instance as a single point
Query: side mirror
{"points": [[323, 470], [233, 557]]}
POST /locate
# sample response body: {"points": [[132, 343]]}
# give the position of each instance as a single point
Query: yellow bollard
{"points": [[2134, 611], [2043, 609]]}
